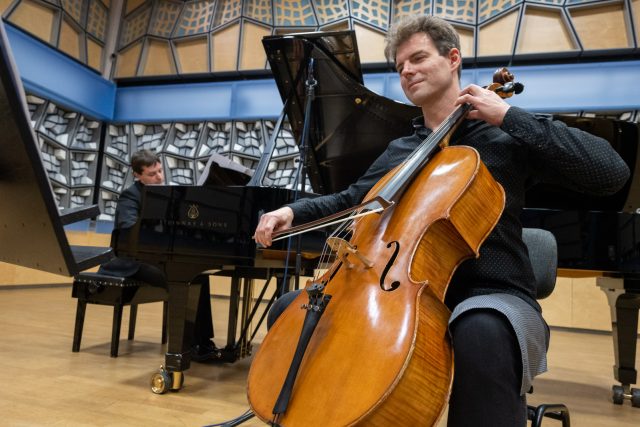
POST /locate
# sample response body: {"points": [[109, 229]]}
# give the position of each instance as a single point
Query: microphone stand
{"points": [[318, 300], [310, 85]]}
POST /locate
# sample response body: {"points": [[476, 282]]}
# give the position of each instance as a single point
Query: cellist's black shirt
{"points": [[526, 149]]}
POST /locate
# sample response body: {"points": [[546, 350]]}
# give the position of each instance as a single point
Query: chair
{"points": [[94, 288], [543, 253]]}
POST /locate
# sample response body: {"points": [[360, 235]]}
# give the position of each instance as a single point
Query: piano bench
{"points": [[94, 288]]}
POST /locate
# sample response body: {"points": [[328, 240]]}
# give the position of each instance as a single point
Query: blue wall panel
{"points": [[187, 102], [50, 74], [245, 100], [603, 86]]}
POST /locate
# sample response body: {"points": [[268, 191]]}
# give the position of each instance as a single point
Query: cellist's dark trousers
{"points": [[488, 369], [488, 372]]}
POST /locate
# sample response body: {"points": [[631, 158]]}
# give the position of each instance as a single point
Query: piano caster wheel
{"points": [[618, 394], [161, 381], [177, 379], [622, 392], [635, 397]]}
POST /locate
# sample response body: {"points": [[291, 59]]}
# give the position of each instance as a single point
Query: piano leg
{"points": [[242, 307], [624, 302], [183, 306]]}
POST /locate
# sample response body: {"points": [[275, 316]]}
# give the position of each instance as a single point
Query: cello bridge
{"points": [[343, 249]]}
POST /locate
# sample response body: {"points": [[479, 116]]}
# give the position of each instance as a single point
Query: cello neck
{"points": [[412, 165]]}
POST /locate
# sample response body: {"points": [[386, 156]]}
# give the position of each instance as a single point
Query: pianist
{"points": [[498, 334], [147, 170]]}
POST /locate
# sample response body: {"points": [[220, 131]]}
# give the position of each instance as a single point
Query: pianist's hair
{"points": [[143, 159], [444, 36]]}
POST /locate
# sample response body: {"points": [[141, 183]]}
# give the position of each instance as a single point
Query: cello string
{"points": [[327, 252]]}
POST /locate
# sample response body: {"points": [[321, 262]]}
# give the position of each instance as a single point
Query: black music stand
{"points": [[31, 227]]}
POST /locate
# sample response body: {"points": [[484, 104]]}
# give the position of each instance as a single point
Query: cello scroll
{"points": [[504, 84]]}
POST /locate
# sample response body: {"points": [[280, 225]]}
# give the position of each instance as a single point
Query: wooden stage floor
{"points": [[45, 384]]}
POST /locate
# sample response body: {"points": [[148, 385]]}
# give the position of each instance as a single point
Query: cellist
{"points": [[498, 334]]}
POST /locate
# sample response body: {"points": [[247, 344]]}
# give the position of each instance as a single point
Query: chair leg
{"points": [[554, 411], [133, 313], [77, 331], [165, 314], [115, 330]]}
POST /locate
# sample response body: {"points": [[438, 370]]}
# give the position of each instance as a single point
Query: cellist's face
{"points": [[425, 75]]}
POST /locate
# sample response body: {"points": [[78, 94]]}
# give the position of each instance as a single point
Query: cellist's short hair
{"points": [[143, 159], [444, 36]]}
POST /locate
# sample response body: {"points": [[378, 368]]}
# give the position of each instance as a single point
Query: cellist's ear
{"points": [[455, 58]]}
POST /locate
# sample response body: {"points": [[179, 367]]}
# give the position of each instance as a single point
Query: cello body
{"points": [[381, 354]]}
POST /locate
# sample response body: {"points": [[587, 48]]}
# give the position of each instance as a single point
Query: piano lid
{"points": [[350, 125], [31, 227]]}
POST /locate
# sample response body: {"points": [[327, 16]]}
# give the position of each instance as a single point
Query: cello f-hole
{"points": [[395, 284]]}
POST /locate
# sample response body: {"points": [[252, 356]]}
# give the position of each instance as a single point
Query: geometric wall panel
{"points": [[295, 13], [36, 18], [496, 37], [128, 59], [165, 16], [149, 137], [57, 124], [374, 12], [114, 174], [74, 8], [135, 26], [159, 59], [224, 48], [248, 141], [467, 41], [178, 171], [601, 27], [94, 54], [402, 8], [191, 55], [374, 42], [544, 30], [226, 11], [87, 136], [259, 10], [217, 139], [69, 145], [97, 20], [252, 54], [460, 11], [184, 138], [117, 142], [69, 41], [196, 18]]}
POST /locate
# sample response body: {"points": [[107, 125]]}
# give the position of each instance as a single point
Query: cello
{"points": [[368, 344]]}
